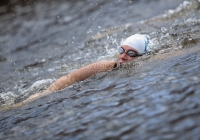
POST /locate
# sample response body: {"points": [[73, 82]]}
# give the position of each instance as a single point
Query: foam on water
{"points": [[186, 5], [10, 98]]}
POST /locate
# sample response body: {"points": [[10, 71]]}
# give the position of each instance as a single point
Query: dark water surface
{"points": [[157, 99]]}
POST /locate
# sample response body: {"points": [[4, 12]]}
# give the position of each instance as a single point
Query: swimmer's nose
{"points": [[124, 56]]}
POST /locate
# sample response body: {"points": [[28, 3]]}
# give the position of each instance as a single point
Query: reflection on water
{"points": [[158, 98]]}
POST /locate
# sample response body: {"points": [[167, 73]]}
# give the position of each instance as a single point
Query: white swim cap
{"points": [[138, 42]]}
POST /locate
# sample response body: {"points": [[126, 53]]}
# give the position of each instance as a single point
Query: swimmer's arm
{"points": [[80, 75]]}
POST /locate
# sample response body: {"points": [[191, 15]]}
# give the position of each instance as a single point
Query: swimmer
{"points": [[133, 47]]}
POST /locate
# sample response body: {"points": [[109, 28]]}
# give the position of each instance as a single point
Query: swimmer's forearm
{"points": [[81, 74], [61, 83]]}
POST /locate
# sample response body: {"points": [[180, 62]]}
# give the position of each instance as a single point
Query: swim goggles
{"points": [[130, 53]]}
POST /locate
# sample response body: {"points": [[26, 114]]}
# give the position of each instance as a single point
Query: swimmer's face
{"points": [[124, 58]]}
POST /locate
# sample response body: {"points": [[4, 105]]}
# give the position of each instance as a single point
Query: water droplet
{"points": [[164, 30], [89, 31], [43, 60]]}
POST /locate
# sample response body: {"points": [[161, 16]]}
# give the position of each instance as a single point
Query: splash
{"points": [[10, 98]]}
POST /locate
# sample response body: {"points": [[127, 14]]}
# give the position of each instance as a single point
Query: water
{"points": [[158, 98]]}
